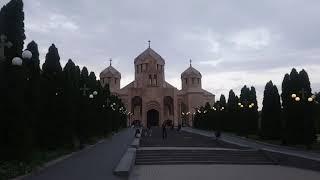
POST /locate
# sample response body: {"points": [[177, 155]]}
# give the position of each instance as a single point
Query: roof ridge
{"points": [[151, 52]]}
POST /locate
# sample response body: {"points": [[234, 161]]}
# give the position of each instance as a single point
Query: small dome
{"points": [[110, 72], [149, 53], [191, 72]]}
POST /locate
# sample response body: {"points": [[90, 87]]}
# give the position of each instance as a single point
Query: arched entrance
{"points": [[153, 117]]}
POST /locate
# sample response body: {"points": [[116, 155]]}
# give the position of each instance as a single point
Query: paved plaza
{"points": [[183, 139], [174, 158], [221, 172]]}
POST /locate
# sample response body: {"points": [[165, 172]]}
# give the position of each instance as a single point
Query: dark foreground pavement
{"points": [[96, 163]]}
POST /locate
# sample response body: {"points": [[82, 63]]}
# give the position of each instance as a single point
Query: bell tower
{"points": [[149, 69]]}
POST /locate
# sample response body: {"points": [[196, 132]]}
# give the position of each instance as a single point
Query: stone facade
{"points": [[151, 99]]}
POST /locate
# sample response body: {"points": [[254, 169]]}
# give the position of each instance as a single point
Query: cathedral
{"points": [[150, 99]]}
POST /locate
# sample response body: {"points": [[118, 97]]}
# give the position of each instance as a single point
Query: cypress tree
{"points": [[52, 99], [307, 108], [12, 26], [299, 123], [84, 131], [232, 106], [271, 113], [68, 129], [221, 113], [254, 114], [12, 23], [244, 119]]}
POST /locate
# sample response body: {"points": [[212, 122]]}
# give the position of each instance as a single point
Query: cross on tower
{"points": [[190, 62], [4, 44], [149, 43], [110, 61], [84, 90]]}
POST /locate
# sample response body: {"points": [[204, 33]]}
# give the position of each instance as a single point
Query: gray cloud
{"points": [[231, 42]]}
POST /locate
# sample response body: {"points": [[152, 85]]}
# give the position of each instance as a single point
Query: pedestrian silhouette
{"points": [[164, 131]]}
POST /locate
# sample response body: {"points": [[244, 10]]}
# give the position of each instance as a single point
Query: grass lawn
{"points": [[14, 168]]}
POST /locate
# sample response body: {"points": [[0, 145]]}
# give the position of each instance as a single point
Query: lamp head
{"points": [[26, 54]]}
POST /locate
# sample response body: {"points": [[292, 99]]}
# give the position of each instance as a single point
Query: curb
{"points": [[126, 163]]}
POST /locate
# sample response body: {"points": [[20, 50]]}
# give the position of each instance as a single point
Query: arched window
{"points": [[186, 80], [192, 80], [198, 80], [115, 80], [150, 79], [155, 80]]}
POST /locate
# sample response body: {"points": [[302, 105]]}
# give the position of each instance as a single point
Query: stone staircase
{"points": [[161, 157]]}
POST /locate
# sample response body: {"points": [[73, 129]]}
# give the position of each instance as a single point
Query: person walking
{"points": [[149, 131], [164, 131]]}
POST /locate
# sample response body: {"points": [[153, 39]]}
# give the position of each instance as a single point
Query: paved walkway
{"points": [[183, 139], [96, 163], [258, 145], [221, 172]]}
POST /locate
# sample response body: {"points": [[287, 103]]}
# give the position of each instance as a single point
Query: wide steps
{"points": [[147, 157]]}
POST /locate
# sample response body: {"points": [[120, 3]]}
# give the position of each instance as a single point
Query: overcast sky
{"points": [[232, 43]]}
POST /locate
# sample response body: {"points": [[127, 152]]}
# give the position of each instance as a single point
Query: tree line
{"points": [[290, 117], [49, 107]]}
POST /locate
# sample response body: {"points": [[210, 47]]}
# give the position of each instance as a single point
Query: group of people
{"points": [[148, 131], [142, 131]]}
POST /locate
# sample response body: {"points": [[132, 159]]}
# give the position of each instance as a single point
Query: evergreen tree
{"points": [[52, 99], [84, 131], [244, 118], [222, 114], [52, 67], [254, 114], [307, 110], [299, 124], [232, 107], [19, 130], [271, 113], [12, 25], [71, 88]]}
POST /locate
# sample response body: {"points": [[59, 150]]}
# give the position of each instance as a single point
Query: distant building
{"points": [[151, 99]]}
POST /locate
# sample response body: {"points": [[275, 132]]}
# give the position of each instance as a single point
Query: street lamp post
{"points": [[218, 108], [245, 108], [303, 104]]}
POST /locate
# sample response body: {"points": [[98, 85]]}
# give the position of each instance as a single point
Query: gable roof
{"points": [[149, 53]]}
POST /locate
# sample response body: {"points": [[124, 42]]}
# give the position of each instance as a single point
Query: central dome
{"points": [[110, 72], [191, 72], [147, 54]]}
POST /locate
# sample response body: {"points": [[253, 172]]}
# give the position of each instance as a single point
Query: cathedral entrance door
{"points": [[152, 118]]}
